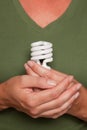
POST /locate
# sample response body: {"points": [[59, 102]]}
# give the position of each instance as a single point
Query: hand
{"points": [[18, 93], [61, 100], [36, 70]]}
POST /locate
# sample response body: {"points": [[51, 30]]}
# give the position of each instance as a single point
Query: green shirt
{"points": [[68, 34]]}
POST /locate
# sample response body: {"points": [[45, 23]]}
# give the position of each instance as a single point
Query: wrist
{"points": [[3, 98], [79, 107]]}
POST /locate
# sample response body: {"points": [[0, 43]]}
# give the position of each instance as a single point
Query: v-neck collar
{"points": [[61, 20]]}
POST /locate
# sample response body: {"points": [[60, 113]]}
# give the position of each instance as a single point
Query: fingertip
{"points": [[30, 63], [71, 77], [26, 66]]}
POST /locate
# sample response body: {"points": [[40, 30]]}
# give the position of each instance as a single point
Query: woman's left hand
{"points": [[69, 95]]}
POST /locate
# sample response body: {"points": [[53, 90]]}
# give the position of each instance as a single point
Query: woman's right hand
{"points": [[18, 92]]}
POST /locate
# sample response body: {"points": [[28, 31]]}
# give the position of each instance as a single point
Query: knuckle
{"points": [[32, 101], [55, 117], [67, 82], [41, 81], [34, 66], [54, 75], [47, 73], [30, 113], [31, 104], [44, 72], [60, 109], [72, 90], [22, 79], [34, 113], [59, 103], [54, 94], [64, 107]]}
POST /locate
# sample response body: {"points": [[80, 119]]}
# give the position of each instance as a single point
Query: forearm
{"points": [[79, 107], [2, 98]]}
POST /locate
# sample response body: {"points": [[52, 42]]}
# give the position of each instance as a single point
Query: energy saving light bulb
{"points": [[41, 53]]}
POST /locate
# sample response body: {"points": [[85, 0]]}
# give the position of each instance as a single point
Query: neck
{"points": [[45, 11], [44, 3]]}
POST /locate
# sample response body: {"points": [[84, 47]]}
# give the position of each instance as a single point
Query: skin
{"points": [[79, 106], [18, 90], [44, 13], [51, 102]]}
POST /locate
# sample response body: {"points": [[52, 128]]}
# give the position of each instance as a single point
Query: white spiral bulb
{"points": [[41, 52]]}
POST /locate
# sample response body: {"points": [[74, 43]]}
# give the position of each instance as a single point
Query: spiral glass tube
{"points": [[41, 52]]}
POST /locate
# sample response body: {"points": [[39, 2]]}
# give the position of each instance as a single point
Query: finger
{"points": [[53, 116], [37, 82], [59, 73], [71, 84], [57, 112], [29, 70], [41, 71], [47, 115], [51, 94], [60, 114], [62, 99]]}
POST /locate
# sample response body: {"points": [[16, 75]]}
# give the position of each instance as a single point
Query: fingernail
{"points": [[30, 63], [51, 82], [76, 95], [78, 86]]}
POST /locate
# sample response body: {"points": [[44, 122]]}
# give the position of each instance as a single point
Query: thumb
{"points": [[38, 82]]}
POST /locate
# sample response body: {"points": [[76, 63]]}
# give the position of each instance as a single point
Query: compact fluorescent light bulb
{"points": [[41, 52]]}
